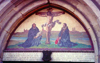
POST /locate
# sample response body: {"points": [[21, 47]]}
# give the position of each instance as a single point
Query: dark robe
{"points": [[31, 41], [65, 38]]}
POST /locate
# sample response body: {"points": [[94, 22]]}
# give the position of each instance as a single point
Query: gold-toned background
{"points": [[64, 18]]}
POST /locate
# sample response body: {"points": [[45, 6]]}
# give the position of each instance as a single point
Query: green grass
{"points": [[82, 46], [52, 45]]}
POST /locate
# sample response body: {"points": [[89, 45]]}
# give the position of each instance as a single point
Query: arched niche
{"points": [[86, 25], [77, 33]]}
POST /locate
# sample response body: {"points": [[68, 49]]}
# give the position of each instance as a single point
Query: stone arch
{"points": [[18, 16]]}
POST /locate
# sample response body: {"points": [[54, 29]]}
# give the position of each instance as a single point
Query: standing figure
{"points": [[33, 38], [50, 24], [64, 37]]}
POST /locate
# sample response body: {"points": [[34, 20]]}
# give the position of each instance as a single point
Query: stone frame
{"points": [[5, 33]]}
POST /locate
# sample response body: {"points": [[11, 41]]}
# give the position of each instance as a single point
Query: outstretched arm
{"points": [[58, 13], [43, 14]]}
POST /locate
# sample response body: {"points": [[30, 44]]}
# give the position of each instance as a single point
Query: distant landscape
{"points": [[54, 34], [74, 35], [81, 38]]}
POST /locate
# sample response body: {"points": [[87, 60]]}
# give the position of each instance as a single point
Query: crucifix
{"points": [[50, 24]]}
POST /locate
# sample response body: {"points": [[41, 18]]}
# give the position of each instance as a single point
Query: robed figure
{"points": [[32, 39], [64, 37]]}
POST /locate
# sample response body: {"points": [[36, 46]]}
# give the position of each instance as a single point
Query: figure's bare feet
{"points": [[47, 43]]}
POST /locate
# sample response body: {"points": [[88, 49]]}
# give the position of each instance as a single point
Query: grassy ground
{"points": [[52, 45]]}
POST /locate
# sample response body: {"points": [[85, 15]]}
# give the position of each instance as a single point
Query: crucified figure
{"points": [[50, 24]]}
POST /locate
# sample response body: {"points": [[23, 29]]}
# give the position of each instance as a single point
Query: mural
{"points": [[50, 29]]}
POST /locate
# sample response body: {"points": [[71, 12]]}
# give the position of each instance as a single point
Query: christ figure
{"points": [[50, 24]]}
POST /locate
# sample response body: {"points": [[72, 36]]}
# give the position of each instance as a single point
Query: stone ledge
{"points": [[56, 56]]}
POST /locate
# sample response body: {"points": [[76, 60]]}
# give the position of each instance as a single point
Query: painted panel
{"points": [[50, 29]]}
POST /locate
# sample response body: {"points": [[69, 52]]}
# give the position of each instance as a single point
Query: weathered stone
{"points": [[98, 30], [64, 4], [7, 18], [98, 1], [36, 56], [93, 7], [85, 10], [33, 6], [4, 3], [23, 56], [6, 6], [5, 14]]}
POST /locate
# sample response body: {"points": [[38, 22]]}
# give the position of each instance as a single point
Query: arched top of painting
{"points": [[50, 29], [41, 18]]}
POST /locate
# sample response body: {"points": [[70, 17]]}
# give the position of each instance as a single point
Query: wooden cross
{"points": [[49, 14]]}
